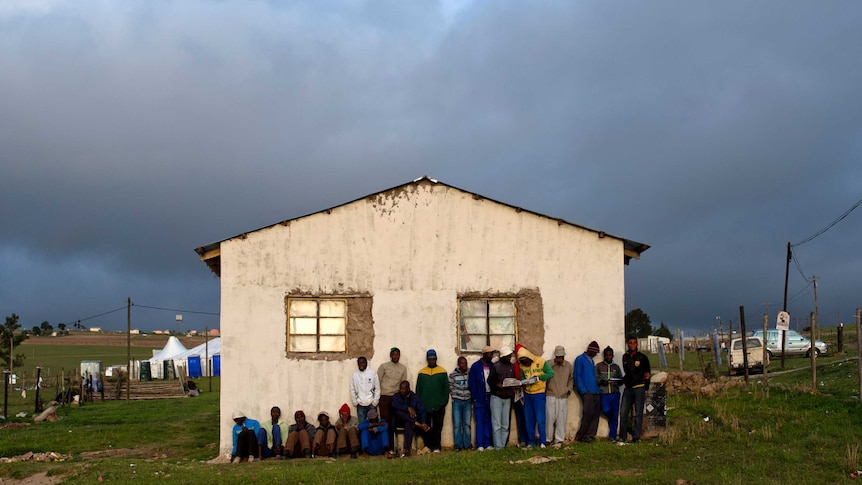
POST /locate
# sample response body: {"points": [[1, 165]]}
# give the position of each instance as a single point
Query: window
{"points": [[316, 325], [486, 321]]}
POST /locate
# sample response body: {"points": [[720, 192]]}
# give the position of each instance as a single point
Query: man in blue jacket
{"points": [[480, 393], [588, 388], [409, 413], [244, 438]]}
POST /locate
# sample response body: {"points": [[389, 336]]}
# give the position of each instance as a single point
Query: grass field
{"points": [[744, 435]]}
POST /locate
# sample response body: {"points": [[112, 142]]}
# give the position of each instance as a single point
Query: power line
{"points": [[99, 315], [173, 310], [829, 226], [798, 266], [142, 306]]}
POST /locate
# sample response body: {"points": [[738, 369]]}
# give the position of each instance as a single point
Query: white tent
{"points": [[210, 349], [170, 351]]}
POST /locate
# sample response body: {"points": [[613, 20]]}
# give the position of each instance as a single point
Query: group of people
{"points": [[502, 380]]}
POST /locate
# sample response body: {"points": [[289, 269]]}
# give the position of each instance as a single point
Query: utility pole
{"points": [[128, 348], [813, 357], [765, 353], [786, 277], [744, 341], [816, 312]]}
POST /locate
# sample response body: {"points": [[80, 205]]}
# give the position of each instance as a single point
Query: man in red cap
{"points": [[348, 432]]}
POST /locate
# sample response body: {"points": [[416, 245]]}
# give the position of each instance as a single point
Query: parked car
{"points": [[796, 343], [755, 355]]}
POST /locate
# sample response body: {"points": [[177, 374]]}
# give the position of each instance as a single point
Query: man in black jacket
{"points": [[637, 374]]}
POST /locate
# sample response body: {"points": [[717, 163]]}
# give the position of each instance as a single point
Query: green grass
{"points": [[53, 357], [784, 434]]}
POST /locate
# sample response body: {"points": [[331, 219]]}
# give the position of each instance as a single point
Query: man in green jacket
{"points": [[432, 387]]}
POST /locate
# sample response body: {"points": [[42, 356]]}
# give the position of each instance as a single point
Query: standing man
{"points": [[269, 436], [409, 413], [461, 416], [610, 375], [588, 388], [364, 389], [432, 386], [391, 374], [480, 393], [501, 397], [557, 396], [535, 372], [637, 374], [245, 431]]}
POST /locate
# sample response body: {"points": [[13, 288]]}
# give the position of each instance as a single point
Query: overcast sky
{"points": [[716, 132]]}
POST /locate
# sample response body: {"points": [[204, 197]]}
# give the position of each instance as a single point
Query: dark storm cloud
{"points": [[715, 133]]}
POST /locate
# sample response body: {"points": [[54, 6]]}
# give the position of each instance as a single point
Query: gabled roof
{"points": [[211, 253]]}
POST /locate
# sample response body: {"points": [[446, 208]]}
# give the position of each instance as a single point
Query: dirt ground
{"points": [[119, 339]]}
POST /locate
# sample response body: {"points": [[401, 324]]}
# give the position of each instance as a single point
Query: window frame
{"points": [[487, 334], [317, 334]]}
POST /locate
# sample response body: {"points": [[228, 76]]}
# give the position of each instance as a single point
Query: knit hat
{"points": [[431, 353], [559, 351], [372, 414], [238, 414], [344, 408], [505, 350], [299, 413], [322, 413], [594, 346]]}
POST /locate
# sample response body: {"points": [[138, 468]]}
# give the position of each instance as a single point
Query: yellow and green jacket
{"points": [[432, 387], [539, 368]]}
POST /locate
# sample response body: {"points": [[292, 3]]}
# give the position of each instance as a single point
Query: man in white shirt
{"points": [[364, 389]]}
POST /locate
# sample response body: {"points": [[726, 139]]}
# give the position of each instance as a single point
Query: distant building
{"points": [[96, 329], [135, 331], [192, 332], [213, 332]]}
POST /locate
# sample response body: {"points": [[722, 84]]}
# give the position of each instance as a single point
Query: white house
{"points": [[422, 265]]}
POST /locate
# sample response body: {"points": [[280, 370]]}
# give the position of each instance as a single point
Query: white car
{"points": [[755, 355], [796, 344]]}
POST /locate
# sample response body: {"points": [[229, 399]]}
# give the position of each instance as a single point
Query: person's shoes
{"points": [[542, 446], [406, 454], [353, 456], [636, 440], [490, 448], [435, 450], [480, 449], [389, 455]]}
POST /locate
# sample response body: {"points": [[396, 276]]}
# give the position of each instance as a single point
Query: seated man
{"points": [[299, 437], [409, 413], [374, 435], [324, 438], [244, 437], [269, 436], [348, 432]]}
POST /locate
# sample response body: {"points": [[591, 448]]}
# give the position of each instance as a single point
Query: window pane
{"points": [[332, 344], [502, 325], [473, 343], [303, 326], [473, 325], [332, 308], [303, 344], [303, 308], [330, 326], [474, 308], [497, 308], [500, 341]]}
